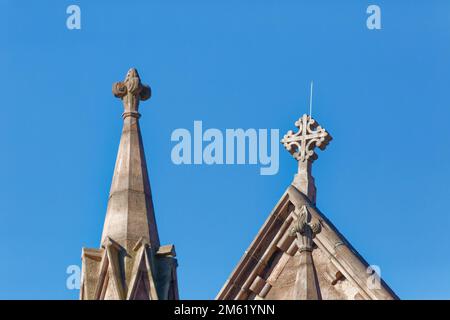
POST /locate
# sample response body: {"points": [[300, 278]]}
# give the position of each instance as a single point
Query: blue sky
{"points": [[383, 95]]}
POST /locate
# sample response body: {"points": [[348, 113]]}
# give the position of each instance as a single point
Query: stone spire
{"points": [[130, 264], [130, 215], [301, 145]]}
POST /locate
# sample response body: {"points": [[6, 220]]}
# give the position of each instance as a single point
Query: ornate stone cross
{"points": [[301, 145], [131, 91]]}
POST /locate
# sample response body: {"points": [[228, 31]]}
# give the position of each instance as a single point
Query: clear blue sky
{"points": [[383, 95]]}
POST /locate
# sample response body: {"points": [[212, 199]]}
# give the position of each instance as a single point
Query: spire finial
{"points": [[130, 213], [301, 145], [131, 91], [131, 264]]}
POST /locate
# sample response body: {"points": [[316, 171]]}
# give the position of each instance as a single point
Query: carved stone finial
{"points": [[131, 91], [306, 282], [304, 229], [309, 135], [301, 145]]}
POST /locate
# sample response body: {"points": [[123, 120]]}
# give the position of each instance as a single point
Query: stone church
{"points": [[297, 254]]}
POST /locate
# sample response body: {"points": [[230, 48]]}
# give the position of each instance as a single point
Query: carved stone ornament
{"points": [[304, 229], [131, 91], [309, 135]]}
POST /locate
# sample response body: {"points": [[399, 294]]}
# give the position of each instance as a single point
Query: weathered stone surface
{"points": [[306, 283], [301, 145], [298, 253], [340, 270], [130, 214], [130, 264]]}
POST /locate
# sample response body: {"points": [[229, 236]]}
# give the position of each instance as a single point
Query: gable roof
{"points": [[267, 270]]}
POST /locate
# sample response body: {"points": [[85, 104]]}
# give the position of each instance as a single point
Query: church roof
{"points": [[298, 253], [268, 268]]}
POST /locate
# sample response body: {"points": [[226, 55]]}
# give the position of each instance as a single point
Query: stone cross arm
{"points": [[309, 135]]}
